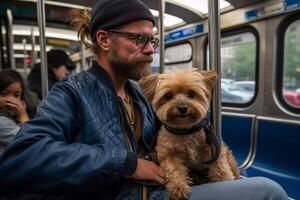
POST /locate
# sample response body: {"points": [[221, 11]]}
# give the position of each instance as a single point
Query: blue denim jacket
{"points": [[76, 142]]}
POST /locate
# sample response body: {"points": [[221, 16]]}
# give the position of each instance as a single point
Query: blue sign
{"points": [[291, 4], [264, 11], [184, 33], [251, 14]]}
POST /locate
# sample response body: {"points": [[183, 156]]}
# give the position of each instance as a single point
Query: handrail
{"points": [[253, 144], [42, 26], [83, 58], [33, 52], [24, 41], [10, 39], [161, 30], [215, 61]]}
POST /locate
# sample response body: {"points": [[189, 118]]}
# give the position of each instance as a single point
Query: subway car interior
{"points": [[259, 67]]}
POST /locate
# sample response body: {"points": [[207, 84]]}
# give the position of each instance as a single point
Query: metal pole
{"points": [[1, 47], [24, 41], [42, 26], [215, 61], [10, 39], [161, 31], [33, 51], [83, 58]]}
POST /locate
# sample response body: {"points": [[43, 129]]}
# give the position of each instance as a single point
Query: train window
{"points": [[238, 68], [179, 56], [290, 89]]}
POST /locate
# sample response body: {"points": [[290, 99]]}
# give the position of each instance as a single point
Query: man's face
{"points": [[126, 58], [61, 72]]}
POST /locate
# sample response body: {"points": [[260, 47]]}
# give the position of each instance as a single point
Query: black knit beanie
{"points": [[110, 14]]}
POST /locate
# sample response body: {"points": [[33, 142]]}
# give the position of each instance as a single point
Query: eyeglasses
{"points": [[141, 40]]}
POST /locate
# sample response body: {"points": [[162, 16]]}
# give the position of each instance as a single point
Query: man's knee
{"points": [[270, 189]]}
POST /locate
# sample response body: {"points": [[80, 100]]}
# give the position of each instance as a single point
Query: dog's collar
{"points": [[186, 131], [211, 137]]}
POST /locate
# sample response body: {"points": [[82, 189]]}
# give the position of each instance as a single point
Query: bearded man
{"points": [[88, 132]]}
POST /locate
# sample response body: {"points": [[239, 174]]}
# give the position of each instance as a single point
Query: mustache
{"points": [[145, 60]]}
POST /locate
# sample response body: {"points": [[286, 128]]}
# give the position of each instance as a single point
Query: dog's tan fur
{"points": [[181, 156]]}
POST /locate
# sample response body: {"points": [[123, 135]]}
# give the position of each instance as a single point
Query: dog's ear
{"points": [[148, 84], [210, 77]]}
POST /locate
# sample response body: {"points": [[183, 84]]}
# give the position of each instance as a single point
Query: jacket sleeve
{"points": [[41, 160]]}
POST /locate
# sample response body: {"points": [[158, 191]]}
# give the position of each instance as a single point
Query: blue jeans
{"points": [[256, 188]]}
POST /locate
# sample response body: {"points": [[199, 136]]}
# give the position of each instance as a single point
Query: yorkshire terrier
{"points": [[181, 101]]}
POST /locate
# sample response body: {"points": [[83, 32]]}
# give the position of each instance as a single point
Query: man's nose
{"points": [[148, 49]]}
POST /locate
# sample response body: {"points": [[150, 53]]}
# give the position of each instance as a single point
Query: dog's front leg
{"points": [[177, 178]]}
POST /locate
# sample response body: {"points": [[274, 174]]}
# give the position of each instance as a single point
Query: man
{"points": [[59, 66], [85, 139]]}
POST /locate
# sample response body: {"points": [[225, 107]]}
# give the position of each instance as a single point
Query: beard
{"points": [[129, 69]]}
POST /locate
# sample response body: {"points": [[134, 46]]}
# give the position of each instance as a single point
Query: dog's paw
{"points": [[179, 192]]}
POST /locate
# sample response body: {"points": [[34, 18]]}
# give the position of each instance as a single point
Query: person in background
{"points": [[59, 66], [13, 111]]}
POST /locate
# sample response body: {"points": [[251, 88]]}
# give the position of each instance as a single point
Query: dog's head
{"points": [[180, 98]]}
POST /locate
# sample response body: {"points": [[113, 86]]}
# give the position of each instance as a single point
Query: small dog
{"points": [[181, 101]]}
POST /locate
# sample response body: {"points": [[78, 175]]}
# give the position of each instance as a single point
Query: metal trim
{"points": [[238, 114], [288, 121], [253, 145]]}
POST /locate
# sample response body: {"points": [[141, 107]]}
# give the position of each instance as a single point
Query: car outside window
{"points": [[291, 65], [238, 67]]}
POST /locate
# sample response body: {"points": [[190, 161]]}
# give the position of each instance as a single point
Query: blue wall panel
{"points": [[278, 155], [236, 133]]}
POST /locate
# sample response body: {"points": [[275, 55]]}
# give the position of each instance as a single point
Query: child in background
{"points": [[12, 106]]}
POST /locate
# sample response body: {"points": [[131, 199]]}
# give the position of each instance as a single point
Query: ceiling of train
{"points": [[183, 9], [184, 14]]}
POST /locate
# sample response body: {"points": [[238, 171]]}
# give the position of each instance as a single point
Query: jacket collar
{"points": [[101, 74]]}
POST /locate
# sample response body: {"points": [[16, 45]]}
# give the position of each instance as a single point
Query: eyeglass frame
{"points": [[136, 37]]}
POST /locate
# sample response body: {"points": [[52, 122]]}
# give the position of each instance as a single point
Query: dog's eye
{"points": [[191, 94], [168, 96]]}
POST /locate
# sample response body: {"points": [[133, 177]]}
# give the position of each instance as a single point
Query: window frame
{"points": [[231, 32], [281, 31], [177, 44]]}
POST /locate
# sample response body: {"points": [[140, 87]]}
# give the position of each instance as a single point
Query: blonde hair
{"points": [[82, 23]]}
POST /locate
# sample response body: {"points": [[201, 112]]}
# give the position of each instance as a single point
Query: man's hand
{"points": [[148, 170]]}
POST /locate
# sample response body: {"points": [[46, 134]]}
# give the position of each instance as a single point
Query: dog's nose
{"points": [[182, 108]]}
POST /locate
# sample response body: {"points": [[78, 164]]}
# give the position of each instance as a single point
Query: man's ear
{"points": [[148, 84], [103, 40]]}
